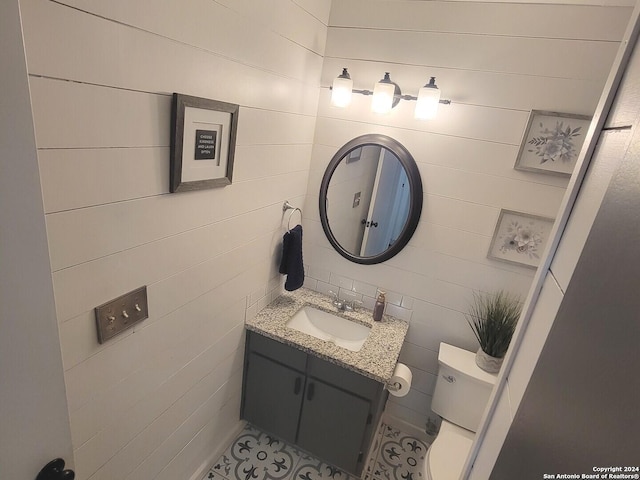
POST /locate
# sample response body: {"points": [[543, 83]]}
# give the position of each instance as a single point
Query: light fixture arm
{"points": [[400, 97]]}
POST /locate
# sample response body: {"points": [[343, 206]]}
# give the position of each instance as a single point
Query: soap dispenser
{"points": [[378, 308]]}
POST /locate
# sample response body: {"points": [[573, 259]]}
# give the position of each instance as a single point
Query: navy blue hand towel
{"points": [[291, 263]]}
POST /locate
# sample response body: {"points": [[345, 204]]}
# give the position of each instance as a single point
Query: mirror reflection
{"points": [[370, 199]]}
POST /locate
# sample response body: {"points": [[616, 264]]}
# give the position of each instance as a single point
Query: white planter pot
{"points": [[487, 362]]}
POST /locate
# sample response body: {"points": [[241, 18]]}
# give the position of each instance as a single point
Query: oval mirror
{"points": [[370, 199]]}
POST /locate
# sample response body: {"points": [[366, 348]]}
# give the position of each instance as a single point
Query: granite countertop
{"points": [[376, 359]]}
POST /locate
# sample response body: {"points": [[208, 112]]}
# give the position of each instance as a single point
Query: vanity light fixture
{"points": [[384, 95], [428, 101], [387, 94], [342, 89]]}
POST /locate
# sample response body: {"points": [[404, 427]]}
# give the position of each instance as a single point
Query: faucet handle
{"points": [[336, 300], [352, 304]]}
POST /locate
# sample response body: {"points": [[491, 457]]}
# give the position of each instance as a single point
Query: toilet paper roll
{"points": [[400, 382]]}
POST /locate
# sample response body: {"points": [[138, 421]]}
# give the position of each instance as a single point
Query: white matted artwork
{"points": [[203, 137], [204, 155], [520, 238], [552, 142]]}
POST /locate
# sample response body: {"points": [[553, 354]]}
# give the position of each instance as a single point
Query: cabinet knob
{"points": [[310, 391], [297, 385]]}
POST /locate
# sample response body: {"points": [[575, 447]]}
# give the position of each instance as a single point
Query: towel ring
{"points": [[288, 206]]}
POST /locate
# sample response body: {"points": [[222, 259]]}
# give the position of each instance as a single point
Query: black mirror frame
{"points": [[415, 184]]}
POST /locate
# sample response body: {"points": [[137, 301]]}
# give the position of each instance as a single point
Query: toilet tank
{"points": [[462, 389]]}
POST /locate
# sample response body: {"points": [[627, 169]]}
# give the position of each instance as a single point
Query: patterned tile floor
{"points": [[396, 455], [255, 455]]}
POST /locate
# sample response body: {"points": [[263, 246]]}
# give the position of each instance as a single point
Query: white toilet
{"points": [[461, 395]]}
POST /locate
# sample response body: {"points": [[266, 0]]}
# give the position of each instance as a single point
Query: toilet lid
{"points": [[448, 452]]}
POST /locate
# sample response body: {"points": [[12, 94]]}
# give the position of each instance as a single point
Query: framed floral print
{"points": [[520, 238], [552, 142]]}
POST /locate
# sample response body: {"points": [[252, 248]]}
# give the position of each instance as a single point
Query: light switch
{"points": [[356, 199], [121, 313]]}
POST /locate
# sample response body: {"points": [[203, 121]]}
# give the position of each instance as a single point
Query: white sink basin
{"points": [[329, 327]]}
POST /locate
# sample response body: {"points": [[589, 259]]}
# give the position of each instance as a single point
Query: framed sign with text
{"points": [[203, 139]]}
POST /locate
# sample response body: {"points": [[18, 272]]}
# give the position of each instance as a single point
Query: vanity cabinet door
{"points": [[273, 396], [332, 424]]}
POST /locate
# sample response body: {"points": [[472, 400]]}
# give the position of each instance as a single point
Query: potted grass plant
{"points": [[493, 318]]}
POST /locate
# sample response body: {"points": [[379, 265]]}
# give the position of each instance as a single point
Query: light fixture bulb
{"points": [[383, 93], [341, 90], [428, 101]]}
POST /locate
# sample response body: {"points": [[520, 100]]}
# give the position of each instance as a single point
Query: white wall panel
{"points": [[496, 65], [426, 147], [457, 119], [229, 395], [448, 269], [319, 9], [81, 235], [497, 53], [169, 403], [397, 410], [492, 191], [414, 400], [72, 115], [561, 21], [188, 462], [101, 170], [420, 357], [432, 323], [158, 400], [452, 242], [302, 21], [423, 381], [258, 161], [459, 214], [78, 335], [237, 38], [123, 118], [76, 293]]}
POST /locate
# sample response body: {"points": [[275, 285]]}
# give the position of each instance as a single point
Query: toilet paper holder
{"points": [[400, 382], [393, 386]]}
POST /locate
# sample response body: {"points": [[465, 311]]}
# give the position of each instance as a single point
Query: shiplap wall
{"points": [[159, 401], [496, 62]]}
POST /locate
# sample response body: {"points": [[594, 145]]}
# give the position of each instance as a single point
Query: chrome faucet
{"points": [[344, 305], [337, 302]]}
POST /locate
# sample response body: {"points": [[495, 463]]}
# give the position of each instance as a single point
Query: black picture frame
{"points": [[203, 140]]}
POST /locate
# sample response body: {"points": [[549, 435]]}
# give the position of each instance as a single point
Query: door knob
{"points": [[54, 470]]}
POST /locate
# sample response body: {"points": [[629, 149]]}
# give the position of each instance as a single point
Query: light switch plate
{"points": [[356, 199], [121, 313]]}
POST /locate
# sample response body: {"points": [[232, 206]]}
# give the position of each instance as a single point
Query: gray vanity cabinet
{"points": [[325, 409], [272, 392], [332, 424]]}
